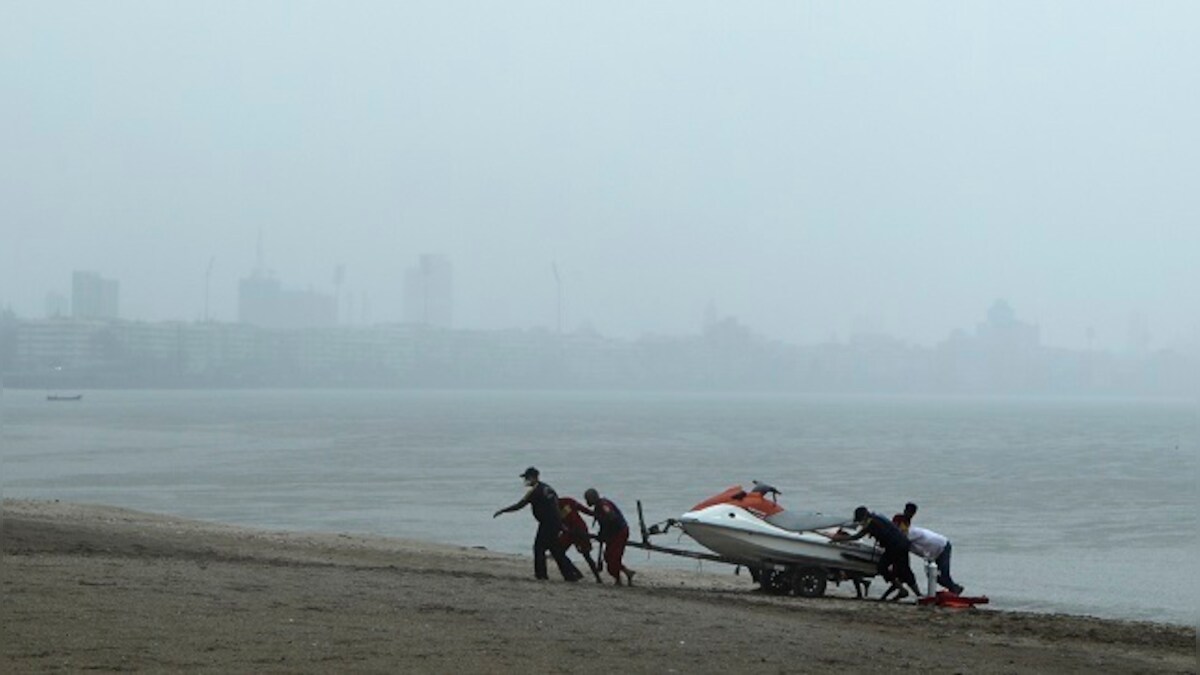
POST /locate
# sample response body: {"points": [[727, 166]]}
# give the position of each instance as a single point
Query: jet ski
{"points": [[785, 551]]}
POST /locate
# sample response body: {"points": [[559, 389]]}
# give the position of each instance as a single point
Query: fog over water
{"points": [[814, 169]]}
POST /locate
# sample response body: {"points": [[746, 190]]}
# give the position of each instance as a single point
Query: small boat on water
{"points": [[64, 397]]}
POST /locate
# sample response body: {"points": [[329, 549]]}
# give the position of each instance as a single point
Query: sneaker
{"points": [[900, 595]]}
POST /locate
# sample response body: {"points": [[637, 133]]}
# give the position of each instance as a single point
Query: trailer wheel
{"points": [[775, 583], [809, 582]]}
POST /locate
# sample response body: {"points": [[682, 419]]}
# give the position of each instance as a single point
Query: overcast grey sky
{"points": [[812, 168]]}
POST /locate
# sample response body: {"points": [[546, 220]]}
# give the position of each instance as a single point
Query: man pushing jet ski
{"points": [[893, 565]]}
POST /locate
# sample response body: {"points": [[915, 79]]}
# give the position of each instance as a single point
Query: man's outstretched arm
{"points": [[515, 507]]}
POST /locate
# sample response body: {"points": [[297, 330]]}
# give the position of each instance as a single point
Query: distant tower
{"points": [[258, 300], [57, 305], [207, 283], [1001, 313], [93, 296], [259, 266], [429, 292], [1004, 331], [558, 306], [710, 315], [263, 301], [1139, 334], [339, 277]]}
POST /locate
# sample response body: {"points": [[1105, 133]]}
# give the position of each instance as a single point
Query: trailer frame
{"points": [[777, 578]]}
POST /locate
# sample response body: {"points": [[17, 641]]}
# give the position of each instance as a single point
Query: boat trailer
{"points": [[774, 577]]}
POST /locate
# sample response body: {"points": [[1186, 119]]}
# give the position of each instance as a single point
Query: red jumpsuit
{"points": [[575, 531]]}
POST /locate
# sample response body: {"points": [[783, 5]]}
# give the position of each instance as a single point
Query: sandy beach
{"points": [[97, 588]]}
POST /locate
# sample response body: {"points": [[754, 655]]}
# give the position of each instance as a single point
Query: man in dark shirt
{"points": [[544, 502], [901, 520], [893, 564]]}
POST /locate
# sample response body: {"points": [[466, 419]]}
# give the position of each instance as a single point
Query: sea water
{"points": [[1076, 506]]}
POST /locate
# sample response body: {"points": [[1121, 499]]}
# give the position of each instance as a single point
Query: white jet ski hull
{"points": [[737, 534]]}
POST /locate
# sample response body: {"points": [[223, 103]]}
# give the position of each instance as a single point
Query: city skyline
{"points": [[815, 170], [1002, 355], [266, 300]]}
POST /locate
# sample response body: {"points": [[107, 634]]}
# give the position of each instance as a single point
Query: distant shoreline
{"points": [[1031, 397], [100, 587], [1004, 356]]}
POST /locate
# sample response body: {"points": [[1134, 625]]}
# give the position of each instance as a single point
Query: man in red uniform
{"points": [[575, 532], [614, 533], [903, 520]]}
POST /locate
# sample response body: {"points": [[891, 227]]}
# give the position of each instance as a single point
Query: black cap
{"points": [[531, 471]]}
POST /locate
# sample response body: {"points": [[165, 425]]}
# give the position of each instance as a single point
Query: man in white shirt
{"points": [[934, 547]]}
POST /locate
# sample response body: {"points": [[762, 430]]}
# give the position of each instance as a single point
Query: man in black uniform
{"points": [[893, 564], [544, 501]]}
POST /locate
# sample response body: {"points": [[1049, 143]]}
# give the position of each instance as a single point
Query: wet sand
{"points": [[97, 588]]}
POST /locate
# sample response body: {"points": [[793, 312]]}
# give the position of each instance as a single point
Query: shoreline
{"points": [[88, 586]]}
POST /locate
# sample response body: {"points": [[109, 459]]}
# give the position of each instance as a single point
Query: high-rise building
{"points": [[429, 292], [257, 295], [1003, 331], [93, 296], [57, 305], [262, 301]]}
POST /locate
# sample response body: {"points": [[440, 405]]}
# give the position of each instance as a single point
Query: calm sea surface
{"points": [[1086, 507]]}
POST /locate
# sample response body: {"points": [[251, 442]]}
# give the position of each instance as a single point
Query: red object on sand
{"points": [[948, 599]]}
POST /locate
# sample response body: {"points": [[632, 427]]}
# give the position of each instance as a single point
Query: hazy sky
{"points": [[812, 168]]}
